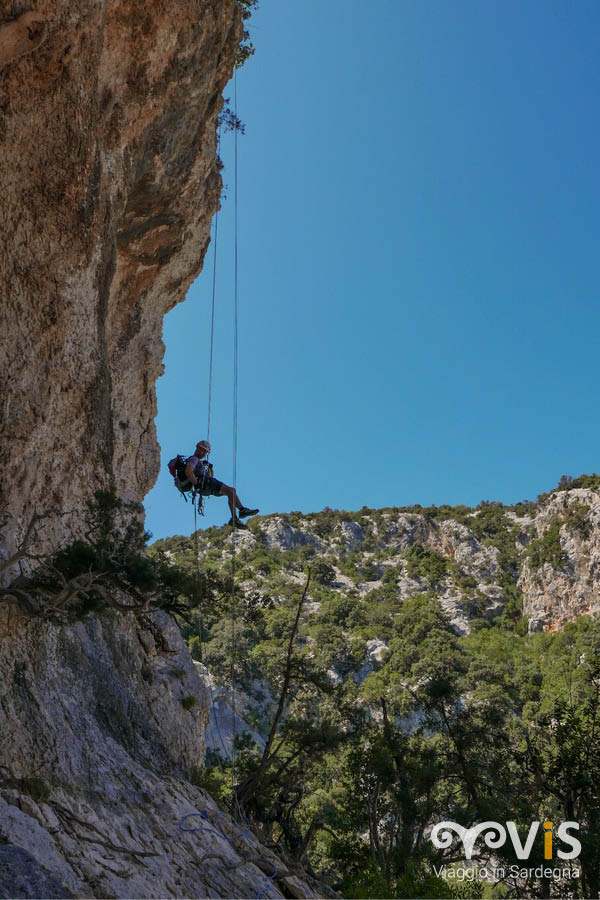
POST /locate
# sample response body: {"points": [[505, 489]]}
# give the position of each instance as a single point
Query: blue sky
{"points": [[419, 199]]}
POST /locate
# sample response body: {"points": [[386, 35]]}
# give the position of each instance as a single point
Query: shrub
{"points": [[189, 702], [577, 518], [591, 482], [548, 549], [322, 572], [424, 562], [195, 647]]}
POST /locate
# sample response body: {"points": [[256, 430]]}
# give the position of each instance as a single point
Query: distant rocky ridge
{"points": [[539, 561], [535, 565]]}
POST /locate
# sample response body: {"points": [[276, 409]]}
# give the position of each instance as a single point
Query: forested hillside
{"points": [[396, 668]]}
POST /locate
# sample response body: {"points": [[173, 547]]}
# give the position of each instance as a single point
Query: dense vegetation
{"points": [[379, 720], [108, 567]]}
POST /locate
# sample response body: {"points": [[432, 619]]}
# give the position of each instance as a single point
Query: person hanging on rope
{"points": [[199, 472]]}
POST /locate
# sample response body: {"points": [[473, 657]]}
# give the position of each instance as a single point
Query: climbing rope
{"points": [[197, 498], [212, 315], [235, 442], [198, 505], [197, 558]]}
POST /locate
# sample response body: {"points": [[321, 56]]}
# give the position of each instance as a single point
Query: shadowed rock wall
{"points": [[109, 180]]}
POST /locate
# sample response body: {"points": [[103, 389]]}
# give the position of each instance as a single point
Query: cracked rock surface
{"points": [[109, 181], [96, 759]]}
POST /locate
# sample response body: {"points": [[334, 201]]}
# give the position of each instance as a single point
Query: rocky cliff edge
{"points": [[109, 181]]}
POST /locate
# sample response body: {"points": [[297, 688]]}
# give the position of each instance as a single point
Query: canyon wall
{"points": [[109, 181], [103, 728]]}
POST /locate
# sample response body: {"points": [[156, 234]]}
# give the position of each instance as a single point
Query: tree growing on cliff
{"points": [[107, 566], [246, 47]]}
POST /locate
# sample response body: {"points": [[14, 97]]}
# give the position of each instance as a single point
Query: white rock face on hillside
{"points": [[228, 715], [282, 536], [376, 542], [352, 535], [556, 594], [377, 651]]}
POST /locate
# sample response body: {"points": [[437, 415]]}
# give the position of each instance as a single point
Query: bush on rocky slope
{"points": [[412, 645]]}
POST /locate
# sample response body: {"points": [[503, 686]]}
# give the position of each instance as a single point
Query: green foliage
{"points": [[111, 568], [38, 789], [218, 650], [577, 518], [246, 48], [591, 482], [415, 882], [215, 778], [195, 647], [32, 785], [322, 572], [491, 725], [424, 562], [189, 702], [548, 549]]}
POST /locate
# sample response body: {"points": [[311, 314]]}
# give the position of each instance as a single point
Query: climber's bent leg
{"points": [[232, 498]]}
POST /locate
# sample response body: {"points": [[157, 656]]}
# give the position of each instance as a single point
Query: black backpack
{"points": [[177, 469]]}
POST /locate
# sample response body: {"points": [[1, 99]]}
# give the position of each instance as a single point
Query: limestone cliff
{"points": [[109, 180], [103, 726]]}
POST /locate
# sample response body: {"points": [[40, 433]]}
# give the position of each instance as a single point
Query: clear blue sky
{"points": [[419, 243]]}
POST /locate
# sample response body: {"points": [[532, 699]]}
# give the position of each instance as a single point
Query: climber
{"points": [[200, 474]]}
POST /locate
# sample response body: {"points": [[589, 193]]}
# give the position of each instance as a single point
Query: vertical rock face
{"points": [[109, 180], [567, 584], [103, 724], [114, 684]]}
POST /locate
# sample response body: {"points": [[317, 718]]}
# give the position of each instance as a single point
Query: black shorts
{"points": [[211, 487]]}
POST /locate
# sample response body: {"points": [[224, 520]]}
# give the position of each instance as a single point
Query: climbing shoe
{"points": [[236, 523], [244, 511]]}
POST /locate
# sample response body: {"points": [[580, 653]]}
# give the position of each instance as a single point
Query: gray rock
{"points": [[281, 535], [352, 534], [553, 595], [100, 750], [21, 875]]}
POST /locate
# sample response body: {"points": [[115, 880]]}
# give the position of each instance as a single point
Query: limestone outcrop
{"points": [[558, 590], [109, 181], [542, 557], [103, 725]]}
